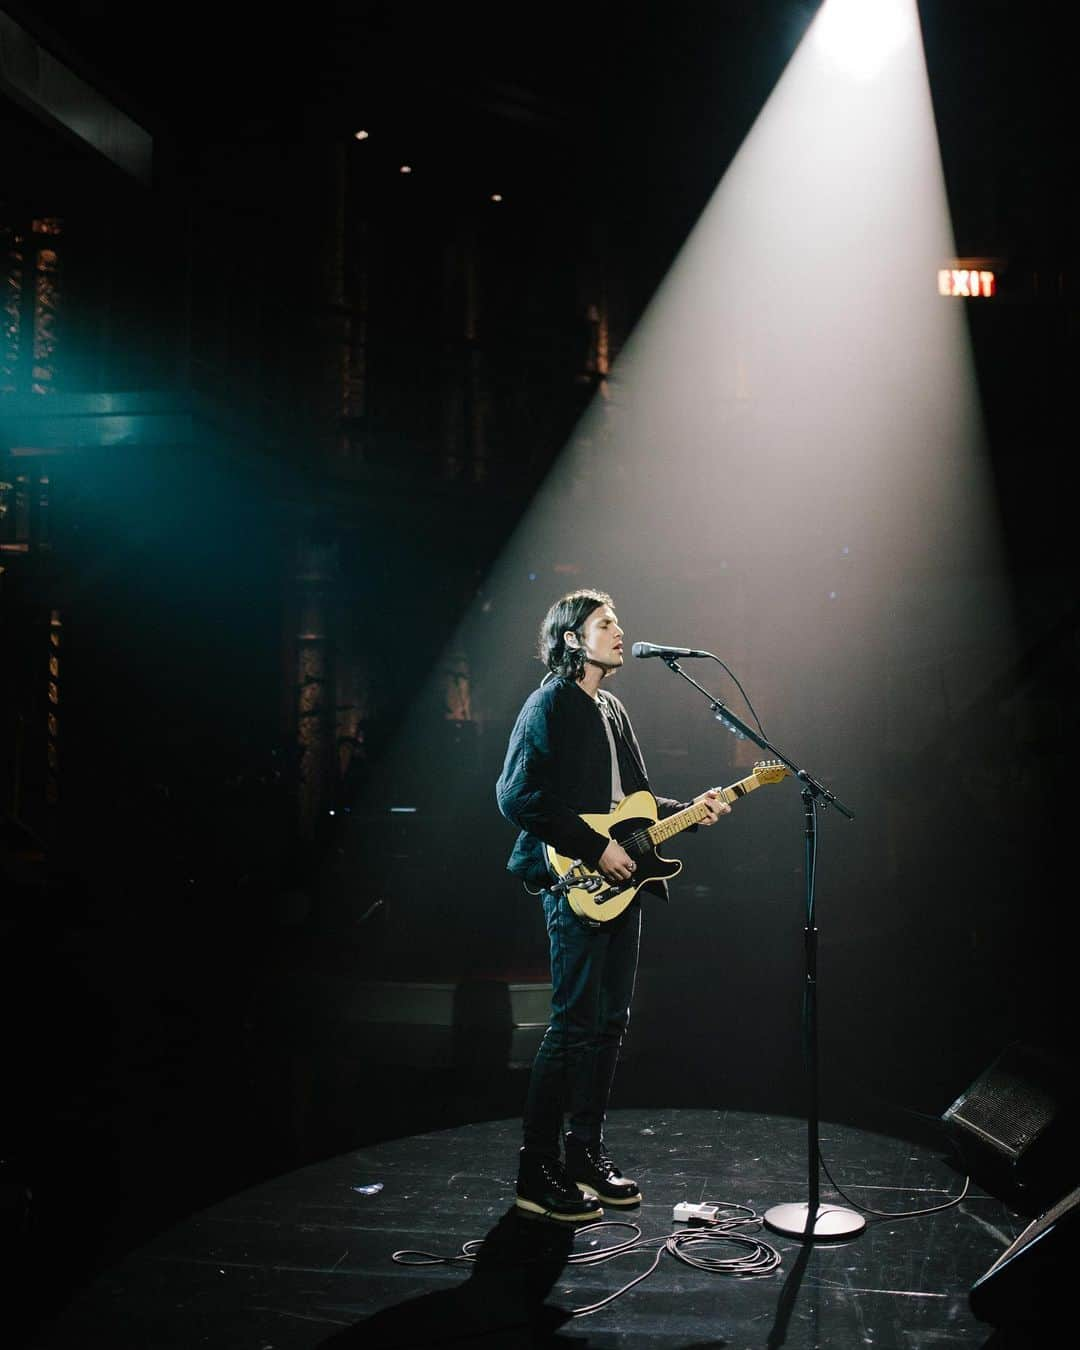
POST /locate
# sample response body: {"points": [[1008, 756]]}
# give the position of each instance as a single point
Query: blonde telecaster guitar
{"points": [[635, 825]]}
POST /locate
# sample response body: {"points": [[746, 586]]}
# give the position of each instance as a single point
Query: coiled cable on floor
{"points": [[698, 1247], [754, 1259]]}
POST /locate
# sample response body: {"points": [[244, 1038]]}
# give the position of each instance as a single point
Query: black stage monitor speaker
{"points": [[1034, 1278], [1012, 1127]]}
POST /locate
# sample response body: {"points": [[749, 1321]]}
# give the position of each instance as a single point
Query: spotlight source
{"points": [[858, 37]]}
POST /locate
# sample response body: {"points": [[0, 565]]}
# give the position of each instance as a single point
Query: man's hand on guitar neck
{"points": [[615, 863], [714, 804]]}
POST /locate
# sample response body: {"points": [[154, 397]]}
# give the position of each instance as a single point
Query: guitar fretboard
{"points": [[694, 815]]}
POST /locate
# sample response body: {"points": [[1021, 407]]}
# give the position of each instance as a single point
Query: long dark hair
{"points": [[567, 615]]}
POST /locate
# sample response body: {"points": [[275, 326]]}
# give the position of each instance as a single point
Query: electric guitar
{"points": [[635, 825]]}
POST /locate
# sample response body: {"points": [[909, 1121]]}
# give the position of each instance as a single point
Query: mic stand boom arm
{"points": [[818, 791], [812, 1219]]}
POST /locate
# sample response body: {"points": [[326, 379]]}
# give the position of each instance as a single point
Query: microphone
{"points": [[650, 649]]}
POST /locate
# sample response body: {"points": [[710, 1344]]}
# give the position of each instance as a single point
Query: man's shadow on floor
{"points": [[501, 1304]]}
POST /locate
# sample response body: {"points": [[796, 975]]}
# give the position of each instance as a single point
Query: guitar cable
{"points": [[698, 1246]]}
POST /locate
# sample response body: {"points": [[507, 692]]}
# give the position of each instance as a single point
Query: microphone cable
{"points": [[746, 697]]}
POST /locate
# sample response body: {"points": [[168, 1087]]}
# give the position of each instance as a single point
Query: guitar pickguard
{"points": [[589, 894]]}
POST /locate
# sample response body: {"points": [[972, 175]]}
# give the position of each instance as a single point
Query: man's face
{"points": [[602, 638]]}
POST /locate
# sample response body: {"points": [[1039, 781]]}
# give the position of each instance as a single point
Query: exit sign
{"points": [[968, 278]]}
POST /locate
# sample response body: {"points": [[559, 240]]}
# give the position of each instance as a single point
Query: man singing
{"points": [[573, 751]]}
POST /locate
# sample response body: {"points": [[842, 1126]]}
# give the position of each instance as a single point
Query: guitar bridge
{"points": [[579, 878]]}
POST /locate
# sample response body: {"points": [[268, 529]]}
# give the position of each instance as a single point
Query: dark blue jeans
{"points": [[592, 986]]}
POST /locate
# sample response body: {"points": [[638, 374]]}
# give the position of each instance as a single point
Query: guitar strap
{"points": [[607, 714]]}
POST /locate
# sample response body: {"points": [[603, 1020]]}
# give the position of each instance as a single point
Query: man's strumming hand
{"points": [[615, 863]]}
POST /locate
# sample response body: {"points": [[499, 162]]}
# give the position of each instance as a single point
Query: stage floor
{"points": [[305, 1260]]}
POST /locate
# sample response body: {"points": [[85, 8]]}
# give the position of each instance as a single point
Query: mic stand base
{"points": [[832, 1221]]}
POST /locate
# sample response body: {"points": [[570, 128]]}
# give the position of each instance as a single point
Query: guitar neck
{"points": [[695, 814]]}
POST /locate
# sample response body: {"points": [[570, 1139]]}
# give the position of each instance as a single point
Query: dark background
{"points": [[256, 578]]}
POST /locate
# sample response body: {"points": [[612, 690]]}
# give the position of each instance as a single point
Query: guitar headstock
{"points": [[770, 771]]}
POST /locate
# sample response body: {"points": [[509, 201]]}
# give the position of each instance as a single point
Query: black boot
{"points": [[544, 1188], [596, 1174]]}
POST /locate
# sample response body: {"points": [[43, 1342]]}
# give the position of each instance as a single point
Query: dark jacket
{"points": [[558, 766]]}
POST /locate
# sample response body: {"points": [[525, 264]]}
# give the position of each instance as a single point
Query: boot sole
{"points": [[533, 1207], [587, 1189]]}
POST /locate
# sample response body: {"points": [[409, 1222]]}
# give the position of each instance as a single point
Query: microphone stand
{"points": [[811, 1219]]}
